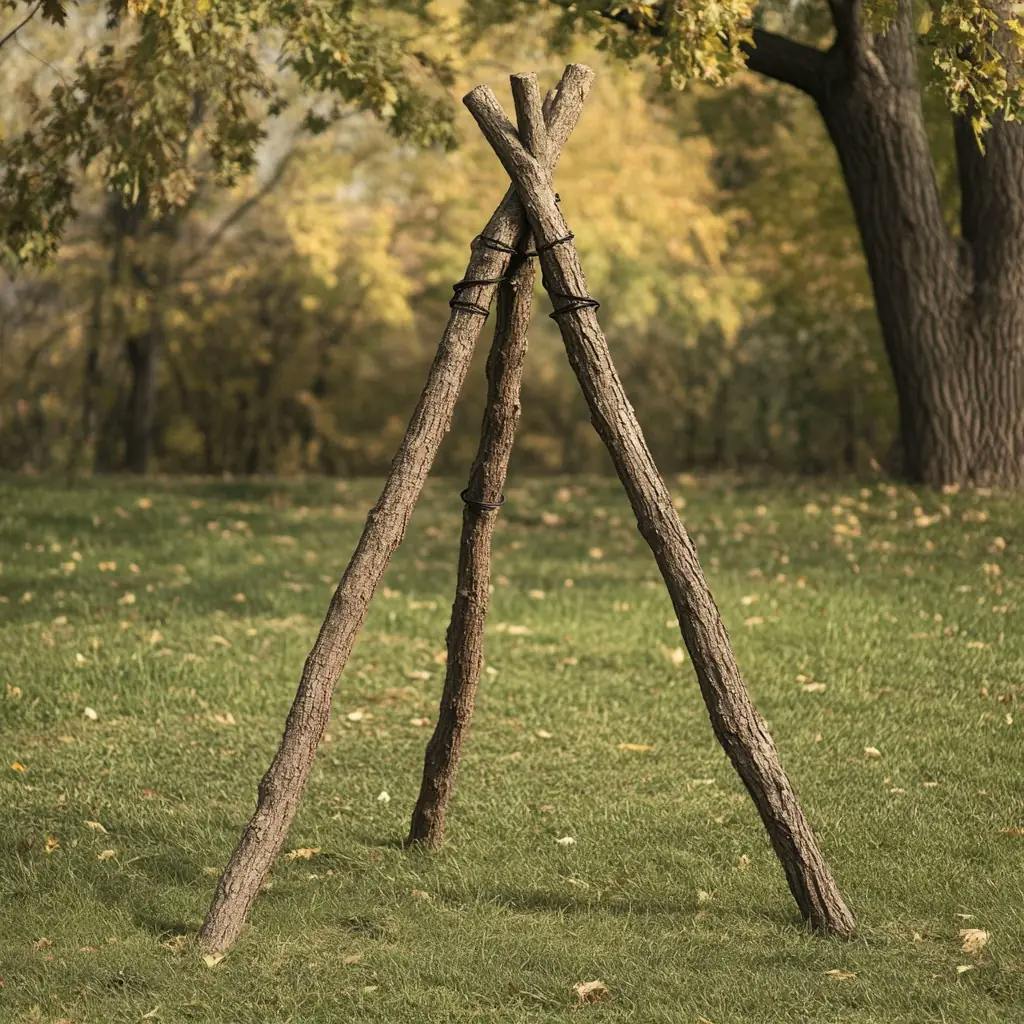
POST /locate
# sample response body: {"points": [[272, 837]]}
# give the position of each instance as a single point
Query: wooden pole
{"points": [[282, 785], [739, 728], [483, 496]]}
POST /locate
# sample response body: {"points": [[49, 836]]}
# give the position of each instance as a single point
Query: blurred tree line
{"points": [[276, 314]]}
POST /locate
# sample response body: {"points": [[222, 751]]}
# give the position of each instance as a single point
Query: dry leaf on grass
{"points": [[973, 940], [838, 975], [302, 853], [636, 748], [212, 959], [872, 752], [591, 991]]}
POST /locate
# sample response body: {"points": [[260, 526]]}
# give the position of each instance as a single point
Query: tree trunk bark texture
{"points": [[465, 640], [282, 785], [739, 728], [951, 309]]}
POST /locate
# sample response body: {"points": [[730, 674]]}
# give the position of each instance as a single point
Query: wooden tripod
{"points": [[499, 264]]}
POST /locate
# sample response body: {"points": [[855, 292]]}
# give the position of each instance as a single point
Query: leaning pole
{"points": [[285, 780], [736, 723]]}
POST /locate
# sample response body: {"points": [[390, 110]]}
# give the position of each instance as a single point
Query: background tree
{"points": [[170, 101], [718, 235], [950, 302]]}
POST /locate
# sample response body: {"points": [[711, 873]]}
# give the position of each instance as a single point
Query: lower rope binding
{"points": [[482, 506], [456, 302], [575, 302]]}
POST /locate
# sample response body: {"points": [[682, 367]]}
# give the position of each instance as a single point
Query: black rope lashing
{"points": [[456, 301], [574, 302], [482, 506], [550, 245], [471, 282], [558, 241], [493, 243]]}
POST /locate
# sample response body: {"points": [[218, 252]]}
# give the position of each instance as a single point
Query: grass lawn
{"points": [[152, 633]]}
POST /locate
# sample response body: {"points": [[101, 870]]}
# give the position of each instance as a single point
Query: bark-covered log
{"points": [[465, 639], [285, 779], [738, 726]]}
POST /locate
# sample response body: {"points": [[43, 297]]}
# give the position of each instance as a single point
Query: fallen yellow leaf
{"points": [[591, 991], [302, 853], [973, 940]]}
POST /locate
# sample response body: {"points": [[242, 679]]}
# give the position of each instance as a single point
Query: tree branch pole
{"points": [[483, 496], [738, 726], [286, 778]]}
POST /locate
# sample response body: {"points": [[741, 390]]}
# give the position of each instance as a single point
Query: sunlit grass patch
{"points": [[152, 637]]}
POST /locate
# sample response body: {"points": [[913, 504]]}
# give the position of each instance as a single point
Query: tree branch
{"points": [[771, 55], [784, 60], [239, 212], [21, 24], [851, 36]]}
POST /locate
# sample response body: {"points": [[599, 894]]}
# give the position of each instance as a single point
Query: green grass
{"points": [[670, 894]]}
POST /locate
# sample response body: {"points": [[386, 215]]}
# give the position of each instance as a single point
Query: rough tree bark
{"points": [[286, 778], [465, 640], [738, 726], [951, 308]]}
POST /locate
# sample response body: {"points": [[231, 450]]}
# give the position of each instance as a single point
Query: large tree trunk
{"points": [[992, 226], [951, 309], [958, 382]]}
